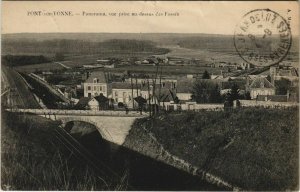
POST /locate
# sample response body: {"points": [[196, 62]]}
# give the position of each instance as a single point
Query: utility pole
{"points": [[159, 92], [131, 90], [154, 87], [149, 96]]}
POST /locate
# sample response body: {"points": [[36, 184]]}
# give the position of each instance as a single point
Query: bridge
{"points": [[113, 126]]}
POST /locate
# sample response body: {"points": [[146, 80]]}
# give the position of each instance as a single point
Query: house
{"points": [[104, 102], [260, 86], [70, 92], [86, 103], [123, 92], [184, 89], [286, 72], [96, 83], [96, 103]]}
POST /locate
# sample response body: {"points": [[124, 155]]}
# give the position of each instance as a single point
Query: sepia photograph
{"points": [[150, 96]]}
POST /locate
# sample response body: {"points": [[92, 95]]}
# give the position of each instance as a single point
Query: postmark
{"points": [[263, 37]]}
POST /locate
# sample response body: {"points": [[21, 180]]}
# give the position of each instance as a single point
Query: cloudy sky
{"points": [[194, 17]]}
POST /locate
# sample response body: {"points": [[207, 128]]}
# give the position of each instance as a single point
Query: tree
{"points": [[232, 95], [247, 96], [282, 86], [206, 75], [59, 57], [234, 92], [206, 92], [215, 95]]}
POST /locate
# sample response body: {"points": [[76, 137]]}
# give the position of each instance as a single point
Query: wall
{"points": [[253, 103], [95, 89]]}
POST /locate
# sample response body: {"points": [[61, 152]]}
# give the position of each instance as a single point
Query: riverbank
{"points": [[254, 149]]}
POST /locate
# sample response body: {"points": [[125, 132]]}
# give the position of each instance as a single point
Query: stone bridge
{"points": [[113, 126]]}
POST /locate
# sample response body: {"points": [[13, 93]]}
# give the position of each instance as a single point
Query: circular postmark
{"points": [[263, 37]]}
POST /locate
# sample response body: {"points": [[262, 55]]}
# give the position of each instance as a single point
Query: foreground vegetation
{"points": [[32, 159], [253, 148]]}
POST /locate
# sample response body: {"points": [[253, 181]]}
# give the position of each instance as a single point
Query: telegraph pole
{"points": [[149, 96], [131, 90]]}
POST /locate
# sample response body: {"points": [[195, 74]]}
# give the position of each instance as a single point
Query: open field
{"points": [[253, 148], [39, 67], [205, 56]]}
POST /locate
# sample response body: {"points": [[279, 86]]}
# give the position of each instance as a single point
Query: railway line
{"points": [[74, 147], [18, 92]]}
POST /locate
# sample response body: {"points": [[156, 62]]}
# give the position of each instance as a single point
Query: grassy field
{"points": [[255, 149], [32, 159], [39, 67]]}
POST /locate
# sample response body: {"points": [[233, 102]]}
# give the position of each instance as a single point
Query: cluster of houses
{"points": [[101, 93]]}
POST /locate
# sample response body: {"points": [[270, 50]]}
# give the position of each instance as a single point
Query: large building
{"points": [[261, 86], [96, 83], [124, 92], [286, 72]]}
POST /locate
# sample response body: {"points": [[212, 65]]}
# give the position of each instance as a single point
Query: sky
{"points": [[216, 17]]}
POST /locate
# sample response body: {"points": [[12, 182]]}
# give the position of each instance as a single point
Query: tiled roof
{"points": [[124, 85], [82, 103], [101, 98], [185, 85], [261, 82], [100, 75]]}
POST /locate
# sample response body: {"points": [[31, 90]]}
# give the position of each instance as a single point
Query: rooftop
{"points": [[124, 85], [99, 76], [261, 82]]}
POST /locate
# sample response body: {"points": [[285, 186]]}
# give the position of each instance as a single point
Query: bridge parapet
{"points": [[80, 112], [114, 126]]}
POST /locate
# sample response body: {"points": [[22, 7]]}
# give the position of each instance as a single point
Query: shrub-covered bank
{"points": [[33, 159], [253, 148]]}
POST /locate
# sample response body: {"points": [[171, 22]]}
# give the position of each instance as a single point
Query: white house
{"points": [[261, 86], [125, 92], [184, 89], [93, 104], [86, 103], [95, 84]]}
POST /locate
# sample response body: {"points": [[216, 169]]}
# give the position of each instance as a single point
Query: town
{"points": [[114, 112], [92, 87]]}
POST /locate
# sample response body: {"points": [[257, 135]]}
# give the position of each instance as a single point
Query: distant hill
{"points": [[212, 42], [164, 38], [76, 46]]}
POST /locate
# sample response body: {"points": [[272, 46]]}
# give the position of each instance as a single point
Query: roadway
{"points": [[63, 65]]}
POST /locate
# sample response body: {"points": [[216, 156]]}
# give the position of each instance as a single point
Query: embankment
{"points": [[144, 142], [251, 148]]}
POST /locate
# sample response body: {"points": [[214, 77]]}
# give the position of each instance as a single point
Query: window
{"points": [[116, 93], [100, 88], [89, 88], [96, 80], [95, 88], [89, 95]]}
